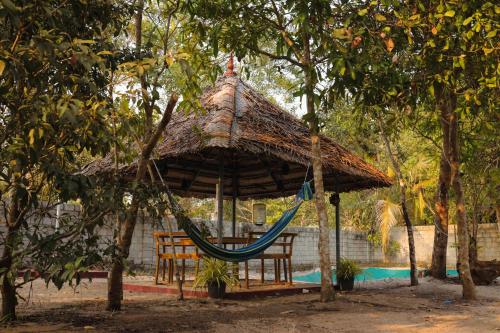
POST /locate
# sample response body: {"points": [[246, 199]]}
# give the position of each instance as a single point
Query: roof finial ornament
{"points": [[230, 66]]}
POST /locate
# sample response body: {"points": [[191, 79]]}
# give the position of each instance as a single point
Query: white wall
{"points": [[354, 245], [488, 241]]}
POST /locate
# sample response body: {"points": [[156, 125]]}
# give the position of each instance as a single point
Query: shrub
{"points": [[347, 269]]}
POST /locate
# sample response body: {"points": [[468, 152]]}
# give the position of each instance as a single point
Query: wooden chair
{"points": [[281, 250], [184, 250]]}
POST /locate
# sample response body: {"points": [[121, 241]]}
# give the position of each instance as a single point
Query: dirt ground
{"points": [[433, 306]]}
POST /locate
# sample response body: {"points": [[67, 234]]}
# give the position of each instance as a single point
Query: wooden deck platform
{"points": [[257, 289]]}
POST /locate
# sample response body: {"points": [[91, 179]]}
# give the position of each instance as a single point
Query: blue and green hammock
{"points": [[249, 251]]}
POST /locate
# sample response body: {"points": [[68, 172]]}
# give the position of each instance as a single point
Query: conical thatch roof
{"points": [[265, 151]]}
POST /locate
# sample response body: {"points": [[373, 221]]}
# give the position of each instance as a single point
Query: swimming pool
{"points": [[368, 274]]}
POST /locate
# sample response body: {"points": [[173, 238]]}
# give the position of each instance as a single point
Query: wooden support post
{"points": [[220, 201], [235, 185], [233, 222], [335, 200]]}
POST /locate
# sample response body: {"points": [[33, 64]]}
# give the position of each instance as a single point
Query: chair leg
{"points": [[170, 271], [279, 270], [285, 271], [290, 270], [262, 271], [183, 270], [163, 269], [157, 271], [275, 271], [246, 275]]}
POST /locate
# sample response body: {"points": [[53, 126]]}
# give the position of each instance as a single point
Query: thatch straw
{"points": [[264, 150]]}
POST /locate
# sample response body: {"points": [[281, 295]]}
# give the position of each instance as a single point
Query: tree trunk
{"points": [[115, 279], [474, 229], [468, 287], [411, 241], [327, 290], [8, 289], [9, 299], [402, 196], [473, 242], [438, 266], [115, 287], [115, 284]]}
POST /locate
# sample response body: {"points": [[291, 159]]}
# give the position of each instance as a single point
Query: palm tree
{"points": [[388, 214]]}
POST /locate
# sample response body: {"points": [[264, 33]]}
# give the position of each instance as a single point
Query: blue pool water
{"points": [[368, 274]]}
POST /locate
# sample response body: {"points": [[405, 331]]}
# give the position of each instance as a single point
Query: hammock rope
{"points": [[244, 253]]}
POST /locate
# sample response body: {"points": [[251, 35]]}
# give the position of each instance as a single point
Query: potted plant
{"points": [[215, 276], [346, 272]]}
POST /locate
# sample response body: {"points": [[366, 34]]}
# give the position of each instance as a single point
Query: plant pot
{"points": [[216, 290], [346, 284]]}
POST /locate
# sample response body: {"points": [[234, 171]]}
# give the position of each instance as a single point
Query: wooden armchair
{"points": [[184, 250], [281, 250]]}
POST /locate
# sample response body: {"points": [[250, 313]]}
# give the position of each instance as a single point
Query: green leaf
{"points": [[450, 13], [461, 61], [467, 20], [490, 34], [487, 50], [10, 6], [83, 41], [105, 53], [380, 17], [363, 12], [431, 90], [31, 136], [79, 261]]}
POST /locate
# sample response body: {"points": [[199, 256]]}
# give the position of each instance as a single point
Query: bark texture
{"points": [[8, 289], [468, 287], [9, 299], [115, 287], [402, 198], [438, 266], [327, 289]]}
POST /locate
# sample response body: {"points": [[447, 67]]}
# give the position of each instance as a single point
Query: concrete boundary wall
{"points": [[354, 245]]}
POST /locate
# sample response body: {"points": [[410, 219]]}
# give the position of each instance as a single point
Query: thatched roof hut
{"points": [[263, 150]]}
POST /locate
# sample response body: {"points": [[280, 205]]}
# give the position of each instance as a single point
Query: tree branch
{"points": [[285, 35], [274, 56], [167, 115]]}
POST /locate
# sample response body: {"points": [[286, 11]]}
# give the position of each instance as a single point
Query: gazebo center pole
{"points": [[233, 222], [235, 196], [337, 229], [234, 186], [220, 202], [335, 200]]}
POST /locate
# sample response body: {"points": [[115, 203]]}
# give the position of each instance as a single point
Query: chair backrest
{"points": [[284, 240], [163, 241], [163, 235]]}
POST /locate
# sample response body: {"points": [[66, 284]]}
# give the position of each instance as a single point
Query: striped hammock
{"points": [[250, 251]]}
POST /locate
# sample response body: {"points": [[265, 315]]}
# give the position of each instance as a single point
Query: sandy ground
{"points": [[384, 306]]}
